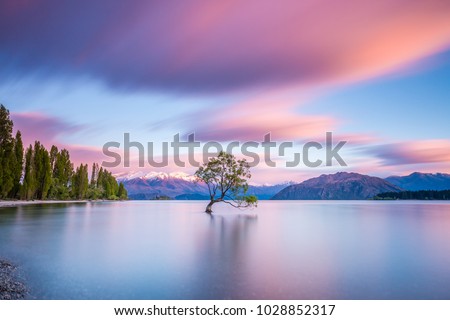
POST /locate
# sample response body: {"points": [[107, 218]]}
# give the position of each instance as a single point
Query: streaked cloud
{"points": [[199, 46], [252, 118], [42, 127], [248, 65], [50, 131], [414, 152]]}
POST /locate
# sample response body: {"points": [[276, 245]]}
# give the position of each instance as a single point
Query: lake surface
{"points": [[281, 250]]}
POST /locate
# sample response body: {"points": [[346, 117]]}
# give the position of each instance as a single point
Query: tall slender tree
{"points": [[7, 163], [29, 180], [42, 170], [61, 174], [80, 182], [53, 156], [94, 174], [48, 174], [18, 165], [122, 193]]}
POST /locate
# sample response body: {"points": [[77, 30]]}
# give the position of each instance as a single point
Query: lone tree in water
{"points": [[226, 179]]}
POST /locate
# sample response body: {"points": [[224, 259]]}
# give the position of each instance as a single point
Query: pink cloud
{"points": [[415, 152], [200, 46], [252, 118], [278, 112], [251, 124], [50, 131], [84, 154], [38, 126]]}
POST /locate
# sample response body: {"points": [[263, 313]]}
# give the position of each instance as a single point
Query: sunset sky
{"points": [[375, 73]]}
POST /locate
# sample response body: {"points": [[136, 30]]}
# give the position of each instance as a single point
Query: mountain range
{"points": [[338, 186], [180, 186], [422, 181]]}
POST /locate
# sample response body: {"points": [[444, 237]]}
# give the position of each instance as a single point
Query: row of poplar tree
{"points": [[37, 173]]}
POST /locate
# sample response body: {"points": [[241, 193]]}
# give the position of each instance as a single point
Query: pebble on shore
{"points": [[10, 287]]}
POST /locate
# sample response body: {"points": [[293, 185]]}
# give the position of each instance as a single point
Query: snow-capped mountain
{"points": [[153, 175], [179, 185], [184, 186]]}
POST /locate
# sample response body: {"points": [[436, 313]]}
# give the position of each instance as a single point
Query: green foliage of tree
{"points": [[103, 185], [28, 187], [42, 171], [80, 182], [109, 185], [62, 170], [226, 178], [94, 175], [6, 125], [18, 165], [122, 193], [38, 174], [7, 157], [53, 156], [48, 174]]}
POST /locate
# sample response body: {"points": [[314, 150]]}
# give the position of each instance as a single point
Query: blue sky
{"points": [[80, 76]]}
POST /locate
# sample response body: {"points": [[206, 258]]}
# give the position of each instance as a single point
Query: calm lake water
{"points": [[281, 250]]}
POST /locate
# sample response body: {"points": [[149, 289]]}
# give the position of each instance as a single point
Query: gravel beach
{"points": [[15, 203], [11, 288]]}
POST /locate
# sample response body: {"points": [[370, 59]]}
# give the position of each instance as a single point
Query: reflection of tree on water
{"points": [[223, 254], [231, 233]]}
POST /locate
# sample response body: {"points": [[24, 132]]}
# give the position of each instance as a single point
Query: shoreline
{"points": [[15, 203], [11, 286]]}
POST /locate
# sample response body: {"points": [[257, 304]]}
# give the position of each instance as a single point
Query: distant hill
{"points": [[180, 186], [339, 186], [421, 181], [415, 195]]}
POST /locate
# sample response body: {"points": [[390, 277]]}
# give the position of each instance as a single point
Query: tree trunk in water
{"points": [[209, 207]]}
